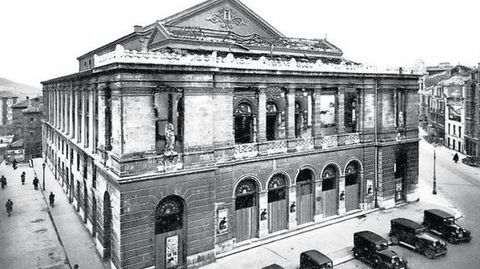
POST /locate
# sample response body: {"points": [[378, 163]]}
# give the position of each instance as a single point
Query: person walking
{"points": [[3, 181], [455, 157], [23, 178], [35, 183], [14, 164], [9, 206], [51, 198]]}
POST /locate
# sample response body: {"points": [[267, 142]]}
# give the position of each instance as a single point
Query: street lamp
{"points": [[436, 142], [43, 165]]}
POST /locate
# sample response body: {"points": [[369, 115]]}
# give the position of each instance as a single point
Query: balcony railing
{"points": [[246, 150], [276, 146]]}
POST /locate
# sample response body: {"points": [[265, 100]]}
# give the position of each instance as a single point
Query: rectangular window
{"points": [[400, 109], [94, 175], [448, 142], [454, 130], [351, 110], [78, 162], [449, 128], [460, 131]]}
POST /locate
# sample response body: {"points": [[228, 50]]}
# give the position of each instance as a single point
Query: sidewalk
{"points": [[28, 238], [333, 240], [75, 237]]}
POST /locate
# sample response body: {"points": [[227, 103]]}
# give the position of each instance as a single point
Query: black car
{"points": [[372, 249], [443, 224], [313, 259], [414, 235]]}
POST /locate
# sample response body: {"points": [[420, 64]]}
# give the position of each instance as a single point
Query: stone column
{"points": [[291, 118], [317, 126], [91, 120], [55, 111], [292, 207], [84, 96], [262, 120], [341, 198], [318, 200], [341, 111], [101, 116], [71, 127], [76, 94], [263, 210]]}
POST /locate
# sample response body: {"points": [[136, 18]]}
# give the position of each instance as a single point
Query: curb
{"points": [[53, 221]]}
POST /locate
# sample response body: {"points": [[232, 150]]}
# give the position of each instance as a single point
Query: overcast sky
{"points": [[42, 39]]}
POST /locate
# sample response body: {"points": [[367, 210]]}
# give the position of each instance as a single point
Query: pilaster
{"points": [[317, 126], [262, 120], [318, 201], [84, 98], [291, 118], [292, 208], [91, 120], [341, 111], [263, 217], [341, 195]]}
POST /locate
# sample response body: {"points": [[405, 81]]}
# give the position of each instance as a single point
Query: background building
{"points": [[210, 129], [27, 126]]}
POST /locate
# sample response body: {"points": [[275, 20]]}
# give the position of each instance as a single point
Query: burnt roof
{"points": [[407, 222], [439, 213], [317, 256], [371, 236]]}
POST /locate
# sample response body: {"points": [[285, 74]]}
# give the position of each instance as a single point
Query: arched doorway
{"points": [[329, 190], [107, 226], [244, 121], [305, 196], [170, 233], [277, 203], [272, 121], [246, 210], [352, 186]]}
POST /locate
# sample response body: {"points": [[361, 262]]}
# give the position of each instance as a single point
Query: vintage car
{"points": [[313, 259], [443, 224], [372, 249], [414, 235]]}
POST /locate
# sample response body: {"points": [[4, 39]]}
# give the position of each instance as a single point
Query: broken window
{"points": [[327, 110], [351, 111], [272, 121], [298, 119], [244, 121], [400, 106]]}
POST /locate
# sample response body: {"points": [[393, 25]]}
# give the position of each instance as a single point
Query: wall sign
{"points": [[222, 221]]}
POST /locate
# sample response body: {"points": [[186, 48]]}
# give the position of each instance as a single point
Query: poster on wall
{"points": [[171, 248], [222, 221], [327, 110]]}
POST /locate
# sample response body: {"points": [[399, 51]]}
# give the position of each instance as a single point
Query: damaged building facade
{"points": [[210, 129]]}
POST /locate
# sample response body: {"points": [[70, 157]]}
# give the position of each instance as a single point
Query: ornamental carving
{"points": [[247, 186], [277, 182], [351, 169], [227, 18], [168, 207], [329, 172]]}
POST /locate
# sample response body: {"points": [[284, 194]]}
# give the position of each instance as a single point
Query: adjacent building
{"points": [[6, 114], [27, 126], [442, 103], [210, 129], [472, 115]]}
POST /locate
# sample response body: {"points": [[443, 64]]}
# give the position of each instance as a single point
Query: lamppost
{"points": [[43, 165], [436, 142]]}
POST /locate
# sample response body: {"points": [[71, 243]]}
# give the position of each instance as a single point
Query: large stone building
{"points": [[6, 114], [472, 115], [210, 129], [27, 126]]}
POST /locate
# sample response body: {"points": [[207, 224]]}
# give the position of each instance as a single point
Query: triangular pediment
{"points": [[223, 15]]}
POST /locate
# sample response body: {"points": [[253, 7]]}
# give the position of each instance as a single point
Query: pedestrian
{"points": [[14, 164], [51, 198], [23, 178], [9, 206], [76, 266], [35, 183], [3, 181], [455, 157]]}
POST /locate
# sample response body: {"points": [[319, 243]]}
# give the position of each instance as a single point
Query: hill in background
{"points": [[12, 88]]}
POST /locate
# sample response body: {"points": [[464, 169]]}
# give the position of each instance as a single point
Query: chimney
{"points": [[137, 28]]}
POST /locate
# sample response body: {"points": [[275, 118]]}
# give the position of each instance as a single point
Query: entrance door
{"points": [[352, 187], [169, 233], [277, 204], [329, 191], [305, 197], [246, 210]]}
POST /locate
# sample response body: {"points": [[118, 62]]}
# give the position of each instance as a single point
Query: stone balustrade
{"points": [[120, 55]]}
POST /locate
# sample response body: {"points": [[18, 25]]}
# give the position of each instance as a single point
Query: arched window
{"points": [[245, 194], [329, 178], [351, 174], [272, 121], [169, 215], [276, 188], [244, 121]]}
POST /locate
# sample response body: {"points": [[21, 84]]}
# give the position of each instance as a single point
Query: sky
{"points": [[42, 39]]}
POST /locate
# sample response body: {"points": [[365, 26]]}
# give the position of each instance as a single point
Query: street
{"points": [[460, 184], [28, 238]]}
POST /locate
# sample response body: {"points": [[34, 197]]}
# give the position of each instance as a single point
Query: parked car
{"points": [[313, 259], [443, 224], [273, 266], [414, 235], [372, 249]]}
